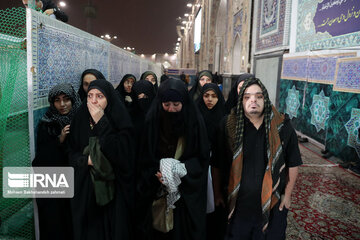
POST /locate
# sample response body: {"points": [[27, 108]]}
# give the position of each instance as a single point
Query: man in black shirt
{"points": [[49, 8], [258, 157]]}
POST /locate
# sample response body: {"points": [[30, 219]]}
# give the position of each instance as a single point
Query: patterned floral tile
{"points": [[320, 111], [322, 68], [335, 133], [271, 25], [292, 102], [353, 128], [348, 75]]}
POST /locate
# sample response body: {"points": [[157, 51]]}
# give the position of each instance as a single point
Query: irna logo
{"points": [[37, 180]]}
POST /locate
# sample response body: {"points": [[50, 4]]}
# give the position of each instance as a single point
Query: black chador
{"points": [[97, 74], [103, 196], [144, 94], [212, 117], [54, 214], [163, 129]]}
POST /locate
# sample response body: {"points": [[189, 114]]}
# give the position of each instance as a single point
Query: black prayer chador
{"points": [[147, 88], [96, 73], [161, 134], [141, 105], [114, 133], [127, 98], [195, 91], [147, 73], [212, 117], [54, 214], [121, 89]]}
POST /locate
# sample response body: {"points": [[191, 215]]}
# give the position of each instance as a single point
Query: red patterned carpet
{"points": [[325, 201]]}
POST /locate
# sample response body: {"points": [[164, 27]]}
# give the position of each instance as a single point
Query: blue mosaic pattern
{"points": [[269, 17], [135, 67], [60, 53], [348, 75], [352, 127], [320, 111], [270, 29], [116, 70], [295, 68], [292, 102], [321, 69], [62, 57], [238, 19], [308, 39]]}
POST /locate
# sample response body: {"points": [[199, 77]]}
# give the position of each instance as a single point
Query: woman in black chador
{"points": [[53, 128], [174, 157], [151, 77], [126, 92], [101, 152], [87, 77], [144, 94], [211, 104], [203, 77]]}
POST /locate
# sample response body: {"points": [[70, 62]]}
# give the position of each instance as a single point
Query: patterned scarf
{"points": [[273, 120], [52, 114]]}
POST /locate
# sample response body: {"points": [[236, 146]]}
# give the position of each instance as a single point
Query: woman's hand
{"points": [[64, 132], [90, 163], [219, 200], [159, 176], [95, 111], [49, 11]]}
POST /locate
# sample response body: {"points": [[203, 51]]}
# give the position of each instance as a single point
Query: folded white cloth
{"points": [[172, 170], [128, 99]]}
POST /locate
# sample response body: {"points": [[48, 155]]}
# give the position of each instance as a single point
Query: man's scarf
{"points": [[273, 121]]}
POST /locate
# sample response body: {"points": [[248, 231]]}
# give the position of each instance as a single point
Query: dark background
{"points": [[149, 26]]}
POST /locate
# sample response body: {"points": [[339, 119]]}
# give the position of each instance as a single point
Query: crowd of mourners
{"points": [[225, 170]]}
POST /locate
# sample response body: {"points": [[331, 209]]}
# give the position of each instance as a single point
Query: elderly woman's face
{"points": [[203, 80], [63, 104]]}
